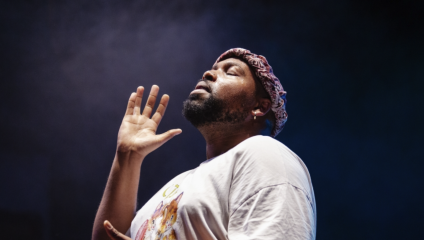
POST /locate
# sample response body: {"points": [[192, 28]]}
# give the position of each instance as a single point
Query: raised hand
{"points": [[137, 134], [136, 138]]}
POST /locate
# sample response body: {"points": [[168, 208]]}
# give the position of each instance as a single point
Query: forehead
{"points": [[231, 62]]}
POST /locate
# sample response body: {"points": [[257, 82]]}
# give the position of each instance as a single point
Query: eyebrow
{"points": [[227, 65]]}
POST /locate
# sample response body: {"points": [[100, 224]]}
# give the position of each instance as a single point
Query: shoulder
{"points": [[270, 161], [265, 151], [263, 164], [262, 144], [258, 139]]}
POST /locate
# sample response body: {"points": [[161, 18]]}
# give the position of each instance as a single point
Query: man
{"points": [[250, 187]]}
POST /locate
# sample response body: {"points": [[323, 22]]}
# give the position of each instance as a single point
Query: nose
{"points": [[209, 75]]}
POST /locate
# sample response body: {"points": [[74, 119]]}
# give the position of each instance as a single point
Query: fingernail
{"points": [[108, 225]]}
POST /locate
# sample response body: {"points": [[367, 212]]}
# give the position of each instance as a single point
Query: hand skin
{"points": [[136, 139], [113, 233]]}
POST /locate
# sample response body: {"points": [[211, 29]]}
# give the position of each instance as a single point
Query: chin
{"points": [[196, 97], [197, 101]]}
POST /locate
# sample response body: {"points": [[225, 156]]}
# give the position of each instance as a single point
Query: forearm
{"points": [[119, 200], [136, 139]]}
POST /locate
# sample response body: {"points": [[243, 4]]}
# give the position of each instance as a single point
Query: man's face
{"points": [[225, 94]]}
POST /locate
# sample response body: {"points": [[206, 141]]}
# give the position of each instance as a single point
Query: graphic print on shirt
{"points": [[159, 225]]}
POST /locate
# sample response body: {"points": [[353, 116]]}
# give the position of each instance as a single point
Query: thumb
{"points": [[166, 136], [113, 233]]}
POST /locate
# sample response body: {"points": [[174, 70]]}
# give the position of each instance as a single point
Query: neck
{"points": [[222, 137]]}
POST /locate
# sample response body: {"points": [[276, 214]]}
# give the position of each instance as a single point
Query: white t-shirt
{"points": [[259, 189]]}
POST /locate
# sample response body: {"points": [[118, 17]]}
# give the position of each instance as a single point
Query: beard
{"points": [[203, 112]]}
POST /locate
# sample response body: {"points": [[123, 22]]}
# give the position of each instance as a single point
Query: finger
{"points": [[131, 104], [157, 117], [151, 101], [140, 91], [113, 233], [166, 136]]}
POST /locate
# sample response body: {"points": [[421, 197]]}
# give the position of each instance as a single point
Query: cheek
{"points": [[230, 89], [239, 100]]}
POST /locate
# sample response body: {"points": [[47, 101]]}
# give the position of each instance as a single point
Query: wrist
{"points": [[128, 159]]}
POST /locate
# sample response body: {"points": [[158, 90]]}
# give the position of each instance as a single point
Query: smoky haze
{"points": [[353, 72]]}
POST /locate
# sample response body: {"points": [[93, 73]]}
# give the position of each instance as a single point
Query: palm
{"points": [[136, 130], [137, 133]]}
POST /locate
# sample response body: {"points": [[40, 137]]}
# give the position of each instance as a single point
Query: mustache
{"points": [[205, 81]]}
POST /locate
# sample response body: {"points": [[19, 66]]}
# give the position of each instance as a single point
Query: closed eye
{"points": [[232, 73], [232, 70]]}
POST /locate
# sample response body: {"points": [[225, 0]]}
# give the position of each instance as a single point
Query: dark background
{"points": [[353, 71]]}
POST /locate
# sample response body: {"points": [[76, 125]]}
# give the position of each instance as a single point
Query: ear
{"points": [[262, 107]]}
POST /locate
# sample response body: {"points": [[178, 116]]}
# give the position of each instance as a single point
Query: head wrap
{"points": [[269, 81]]}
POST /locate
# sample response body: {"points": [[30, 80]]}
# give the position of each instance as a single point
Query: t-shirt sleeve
{"points": [[270, 195], [275, 212]]}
